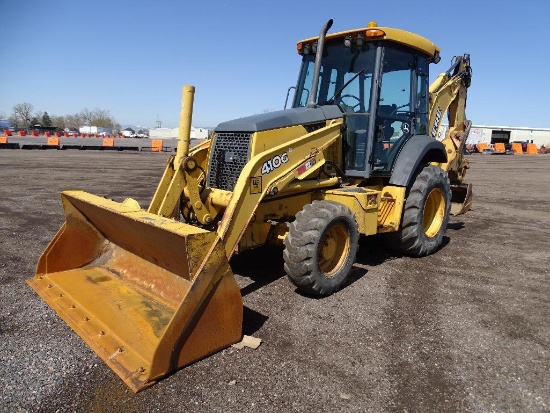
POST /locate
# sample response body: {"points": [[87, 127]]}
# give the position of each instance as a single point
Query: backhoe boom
{"points": [[448, 95]]}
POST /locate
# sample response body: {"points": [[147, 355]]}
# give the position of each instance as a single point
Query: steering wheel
{"points": [[396, 110], [353, 107]]}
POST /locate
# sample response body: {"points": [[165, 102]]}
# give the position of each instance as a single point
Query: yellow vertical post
{"points": [[186, 114]]}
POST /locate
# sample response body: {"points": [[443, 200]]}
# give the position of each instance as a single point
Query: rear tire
{"points": [[321, 246], [425, 214]]}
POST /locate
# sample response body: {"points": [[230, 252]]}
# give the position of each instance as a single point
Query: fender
{"points": [[420, 149]]}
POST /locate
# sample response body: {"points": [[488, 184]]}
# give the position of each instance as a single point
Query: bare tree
{"points": [[59, 122], [14, 120], [103, 118], [23, 111], [35, 119], [87, 115], [22, 116], [74, 121]]}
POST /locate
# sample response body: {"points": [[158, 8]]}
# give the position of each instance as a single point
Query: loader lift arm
{"points": [[241, 204]]}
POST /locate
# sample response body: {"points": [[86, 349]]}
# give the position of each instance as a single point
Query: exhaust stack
{"points": [[318, 56]]}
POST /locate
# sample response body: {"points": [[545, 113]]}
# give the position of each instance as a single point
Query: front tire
{"points": [[425, 214], [321, 246]]}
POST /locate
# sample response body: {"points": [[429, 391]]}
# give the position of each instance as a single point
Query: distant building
{"points": [[172, 133], [128, 133], [95, 130], [505, 134]]}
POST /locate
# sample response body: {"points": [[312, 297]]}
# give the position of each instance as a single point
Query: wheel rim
{"points": [[333, 248], [434, 211]]}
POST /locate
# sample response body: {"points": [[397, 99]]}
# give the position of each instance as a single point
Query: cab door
{"points": [[402, 106]]}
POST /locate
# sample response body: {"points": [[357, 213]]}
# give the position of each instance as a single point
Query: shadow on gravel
{"points": [[262, 265], [252, 321], [372, 251], [355, 275], [455, 226]]}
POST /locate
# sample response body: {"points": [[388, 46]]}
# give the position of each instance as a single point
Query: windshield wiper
{"points": [[345, 85]]}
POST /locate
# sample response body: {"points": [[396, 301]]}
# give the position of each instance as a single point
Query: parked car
{"points": [[487, 151]]}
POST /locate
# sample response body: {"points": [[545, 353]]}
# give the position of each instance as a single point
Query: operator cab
{"points": [[380, 85]]}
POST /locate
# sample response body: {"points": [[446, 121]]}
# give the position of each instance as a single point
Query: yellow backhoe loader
{"points": [[359, 152]]}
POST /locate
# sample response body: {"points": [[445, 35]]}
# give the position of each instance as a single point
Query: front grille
{"points": [[228, 157]]}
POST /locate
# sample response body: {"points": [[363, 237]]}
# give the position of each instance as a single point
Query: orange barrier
{"points": [[58, 134], [3, 139], [516, 147], [108, 142], [7, 132], [53, 141], [481, 146], [66, 134], [34, 133], [156, 145], [499, 147], [47, 134], [531, 149], [21, 133]]}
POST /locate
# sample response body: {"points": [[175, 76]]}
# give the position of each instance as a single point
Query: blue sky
{"points": [[132, 57]]}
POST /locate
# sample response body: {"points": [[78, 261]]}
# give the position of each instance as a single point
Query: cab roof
{"points": [[384, 33]]}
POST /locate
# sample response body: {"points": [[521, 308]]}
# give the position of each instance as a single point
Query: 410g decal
{"points": [[273, 163]]}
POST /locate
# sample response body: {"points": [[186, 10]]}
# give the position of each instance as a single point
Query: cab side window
{"points": [[394, 122]]}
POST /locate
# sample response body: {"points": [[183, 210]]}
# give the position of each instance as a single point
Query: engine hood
{"points": [[280, 119]]}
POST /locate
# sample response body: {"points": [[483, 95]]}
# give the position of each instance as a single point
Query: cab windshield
{"points": [[340, 64], [345, 80]]}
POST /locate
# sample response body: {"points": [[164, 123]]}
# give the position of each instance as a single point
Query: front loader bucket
{"points": [[461, 198], [146, 293]]}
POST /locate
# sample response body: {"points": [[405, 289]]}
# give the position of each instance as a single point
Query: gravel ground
{"points": [[465, 329]]}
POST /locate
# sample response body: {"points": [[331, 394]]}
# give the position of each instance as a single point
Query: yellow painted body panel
{"points": [[391, 208], [263, 228], [363, 202], [272, 138]]}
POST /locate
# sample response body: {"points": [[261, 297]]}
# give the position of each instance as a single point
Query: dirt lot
{"points": [[463, 330]]}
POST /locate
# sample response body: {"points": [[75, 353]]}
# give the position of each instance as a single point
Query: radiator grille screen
{"points": [[229, 156]]}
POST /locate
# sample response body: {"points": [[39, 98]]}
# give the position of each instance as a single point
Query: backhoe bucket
{"points": [[461, 198], [146, 293]]}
